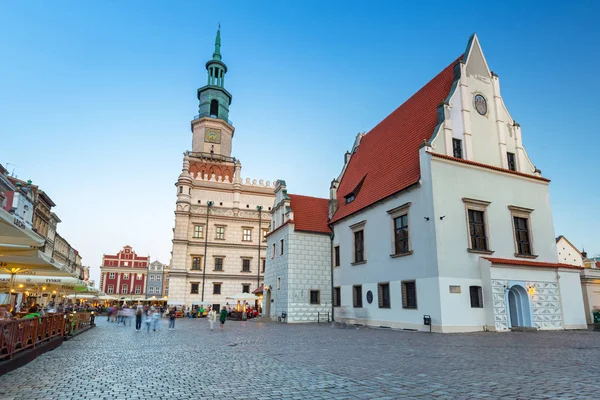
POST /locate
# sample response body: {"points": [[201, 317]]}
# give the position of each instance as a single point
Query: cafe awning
{"points": [[38, 283], [24, 260], [243, 296], [14, 231]]}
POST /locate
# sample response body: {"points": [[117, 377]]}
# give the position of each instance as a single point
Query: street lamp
{"points": [[208, 206], [260, 238]]}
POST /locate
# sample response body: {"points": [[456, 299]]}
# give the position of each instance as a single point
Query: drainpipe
{"points": [[562, 311], [332, 262]]}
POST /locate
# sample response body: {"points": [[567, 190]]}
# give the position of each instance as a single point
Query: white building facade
{"points": [[298, 266], [445, 217], [220, 219]]}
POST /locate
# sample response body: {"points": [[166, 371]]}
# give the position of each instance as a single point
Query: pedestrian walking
{"points": [[212, 317], [148, 320], [155, 318], [138, 319], [172, 315], [223, 317]]}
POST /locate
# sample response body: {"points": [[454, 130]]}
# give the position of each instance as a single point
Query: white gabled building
{"points": [[567, 253], [440, 212], [298, 268]]}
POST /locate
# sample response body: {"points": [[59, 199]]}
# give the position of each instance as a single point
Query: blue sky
{"points": [[96, 97]]}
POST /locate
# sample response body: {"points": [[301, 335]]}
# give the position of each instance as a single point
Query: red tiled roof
{"points": [[259, 289], [388, 156], [475, 163], [311, 214], [527, 263]]}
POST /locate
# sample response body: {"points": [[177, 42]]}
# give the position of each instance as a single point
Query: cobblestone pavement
{"points": [[255, 360]]}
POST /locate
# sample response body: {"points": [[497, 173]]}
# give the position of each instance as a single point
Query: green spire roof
{"points": [[217, 53]]}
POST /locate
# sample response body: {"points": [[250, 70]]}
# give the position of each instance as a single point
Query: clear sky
{"points": [[96, 97]]}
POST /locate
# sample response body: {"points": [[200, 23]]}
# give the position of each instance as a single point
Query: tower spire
{"points": [[217, 53]]}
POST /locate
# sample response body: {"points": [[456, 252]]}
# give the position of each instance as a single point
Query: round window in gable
{"points": [[480, 104]]}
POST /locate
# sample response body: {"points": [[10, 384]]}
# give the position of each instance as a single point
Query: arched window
{"points": [[214, 108]]}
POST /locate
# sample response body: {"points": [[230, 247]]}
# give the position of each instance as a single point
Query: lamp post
{"points": [[260, 238], [208, 206]]}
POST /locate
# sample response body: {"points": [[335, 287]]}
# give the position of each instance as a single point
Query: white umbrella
{"points": [[243, 296], [82, 296], [14, 231], [175, 303]]}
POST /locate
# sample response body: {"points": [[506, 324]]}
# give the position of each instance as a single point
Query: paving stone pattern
{"points": [[267, 360]]}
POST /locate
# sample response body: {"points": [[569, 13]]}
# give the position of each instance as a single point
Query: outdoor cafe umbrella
{"points": [[24, 260], [243, 296]]}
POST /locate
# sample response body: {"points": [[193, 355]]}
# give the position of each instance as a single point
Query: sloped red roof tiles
{"points": [[310, 213], [388, 156], [527, 263]]}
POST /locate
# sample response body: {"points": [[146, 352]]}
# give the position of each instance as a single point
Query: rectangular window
{"points": [[359, 250], [216, 288], [245, 265], [125, 277], [111, 289], [124, 289], [477, 230], [264, 264], [512, 164], [281, 247], [218, 264], [245, 288], [220, 233], [457, 148], [196, 263], [401, 234], [357, 296], [111, 275], [522, 236], [264, 234], [247, 235], [315, 297], [409, 294], [383, 291], [198, 231], [278, 283], [273, 251], [194, 289], [138, 290], [336, 256], [476, 294], [337, 299]]}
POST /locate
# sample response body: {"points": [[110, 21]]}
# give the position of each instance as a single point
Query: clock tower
{"points": [[212, 131]]}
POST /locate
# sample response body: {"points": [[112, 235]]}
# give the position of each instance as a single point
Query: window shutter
{"points": [[354, 296], [380, 295], [404, 299]]}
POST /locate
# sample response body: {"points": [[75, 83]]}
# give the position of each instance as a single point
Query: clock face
{"points": [[212, 135], [480, 104]]}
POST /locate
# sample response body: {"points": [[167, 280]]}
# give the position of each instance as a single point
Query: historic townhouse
{"points": [[298, 268], [156, 272], [441, 213], [124, 274], [220, 220]]}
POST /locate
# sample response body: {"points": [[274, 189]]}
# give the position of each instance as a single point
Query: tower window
{"points": [[214, 108]]}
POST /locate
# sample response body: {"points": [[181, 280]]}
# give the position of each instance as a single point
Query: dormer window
{"points": [[352, 195]]}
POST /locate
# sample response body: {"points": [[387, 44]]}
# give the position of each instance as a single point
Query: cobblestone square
{"points": [[258, 360]]}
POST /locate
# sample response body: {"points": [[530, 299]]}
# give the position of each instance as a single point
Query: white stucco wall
{"points": [[572, 299], [380, 267]]}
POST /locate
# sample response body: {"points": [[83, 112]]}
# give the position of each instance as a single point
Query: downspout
{"points": [[331, 236], [562, 311]]}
